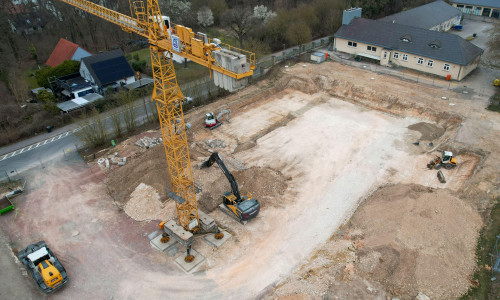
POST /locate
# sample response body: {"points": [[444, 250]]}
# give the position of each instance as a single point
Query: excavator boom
{"points": [[234, 185]]}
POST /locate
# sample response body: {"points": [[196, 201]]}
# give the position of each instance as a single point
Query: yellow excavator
{"points": [[241, 208]]}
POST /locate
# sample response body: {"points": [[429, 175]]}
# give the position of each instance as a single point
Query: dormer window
{"points": [[435, 44], [406, 38]]}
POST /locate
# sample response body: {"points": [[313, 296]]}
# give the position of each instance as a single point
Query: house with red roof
{"points": [[66, 50]]}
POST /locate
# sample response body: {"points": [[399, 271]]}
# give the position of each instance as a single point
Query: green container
{"points": [[5, 205]]}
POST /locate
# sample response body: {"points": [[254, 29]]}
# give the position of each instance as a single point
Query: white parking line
{"points": [[30, 147], [22, 150]]}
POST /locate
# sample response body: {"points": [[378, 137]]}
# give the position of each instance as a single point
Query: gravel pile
{"points": [[145, 205]]}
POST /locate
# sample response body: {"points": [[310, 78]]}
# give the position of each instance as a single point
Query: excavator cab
{"points": [[245, 209], [210, 120]]}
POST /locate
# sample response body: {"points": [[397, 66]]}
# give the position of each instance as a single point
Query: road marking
{"points": [[34, 146]]}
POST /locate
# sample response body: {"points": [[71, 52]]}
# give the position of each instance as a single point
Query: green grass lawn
{"points": [[485, 288]]}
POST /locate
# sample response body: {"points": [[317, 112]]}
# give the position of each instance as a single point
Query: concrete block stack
{"points": [[234, 62]]}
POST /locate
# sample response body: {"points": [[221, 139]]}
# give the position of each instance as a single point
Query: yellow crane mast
{"points": [[163, 37]]}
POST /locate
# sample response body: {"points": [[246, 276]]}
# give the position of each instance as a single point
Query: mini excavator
{"points": [[241, 208]]}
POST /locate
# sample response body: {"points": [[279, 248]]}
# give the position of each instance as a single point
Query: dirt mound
{"points": [[148, 167], [428, 131], [417, 239], [265, 184]]}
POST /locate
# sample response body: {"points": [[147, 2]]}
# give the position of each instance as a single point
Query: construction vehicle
{"points": [[213, 122], [229, 67], [447, 161], [241, 208], [44, 267]]}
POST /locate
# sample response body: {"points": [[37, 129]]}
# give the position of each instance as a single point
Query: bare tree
{"points": [[18, 87], [240, 20]]}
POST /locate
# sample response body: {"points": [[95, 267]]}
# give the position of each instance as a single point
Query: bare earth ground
{"points": [[311, 144]]}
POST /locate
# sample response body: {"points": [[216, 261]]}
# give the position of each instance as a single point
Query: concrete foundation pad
{"points": [[157, 244], [192, 266], [210, 238]]}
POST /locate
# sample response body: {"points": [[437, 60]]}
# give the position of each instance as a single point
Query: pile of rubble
{"points": [[147, 142], [114, 159], [215, 143]]}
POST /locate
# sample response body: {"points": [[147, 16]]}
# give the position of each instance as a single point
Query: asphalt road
{"points": [[34, 152]]}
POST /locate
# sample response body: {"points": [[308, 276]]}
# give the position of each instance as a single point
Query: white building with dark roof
{"points": [[485, 8], [437, 16], [443, 54]]}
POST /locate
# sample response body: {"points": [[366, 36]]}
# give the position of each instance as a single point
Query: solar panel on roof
{"points": [[111, 70]]}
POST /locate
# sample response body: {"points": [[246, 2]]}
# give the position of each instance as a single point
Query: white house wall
{"points": [[456, 71]]}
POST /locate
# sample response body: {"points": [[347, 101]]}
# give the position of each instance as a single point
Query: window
{"points": [[405, 57], [385, 54], [420, 61], [446, 67], [352, 44], [371, 48], [430, 63], [396, 55]]}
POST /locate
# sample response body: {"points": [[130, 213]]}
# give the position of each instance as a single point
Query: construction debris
{"points": [[147, 142], [215, 143]]}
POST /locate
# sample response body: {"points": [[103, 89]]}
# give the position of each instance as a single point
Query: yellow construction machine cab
{"points": [[448, 158], [49, 272]]}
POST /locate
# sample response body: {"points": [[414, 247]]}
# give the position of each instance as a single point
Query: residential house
{"points": [[485, 8], [66, 50], [433, 52], [438, 16], [77, 91], [109, 69]]}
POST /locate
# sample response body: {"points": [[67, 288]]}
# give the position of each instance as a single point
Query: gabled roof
{"points": [[425, 16], [108, 67], [487, 3], [64, 50], [450, 48]]}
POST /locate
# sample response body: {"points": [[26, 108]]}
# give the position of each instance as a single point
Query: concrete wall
{"points": [[84, 72], [478, 10], [436, 69], [469, 68], [386, 57]]}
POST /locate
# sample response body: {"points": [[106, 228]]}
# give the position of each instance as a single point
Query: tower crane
{"points": [[230, 67]]}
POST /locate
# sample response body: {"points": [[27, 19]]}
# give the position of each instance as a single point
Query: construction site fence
{"points": [[267, 62]]}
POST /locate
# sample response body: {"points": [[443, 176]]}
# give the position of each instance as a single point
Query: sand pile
{"points": [[428, 131], [418, 239], [145, 205]]}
